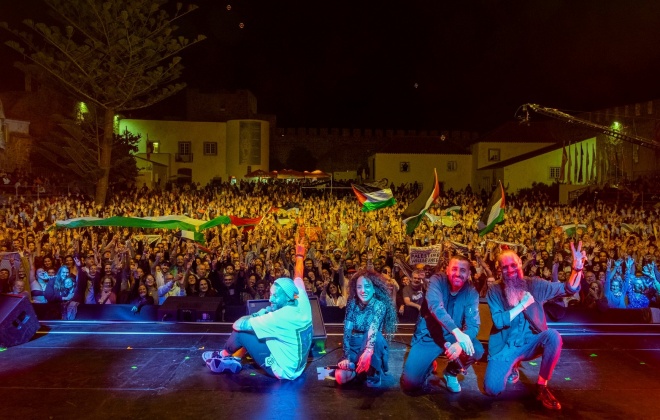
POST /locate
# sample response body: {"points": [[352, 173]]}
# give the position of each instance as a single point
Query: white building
{"points": [[199, 151]]}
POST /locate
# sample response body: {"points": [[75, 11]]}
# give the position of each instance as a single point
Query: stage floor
{"points": [[94, 370]]}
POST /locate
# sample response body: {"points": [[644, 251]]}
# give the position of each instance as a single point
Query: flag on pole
{"points": [[373, 198], [494, 213], [564, 159], [413, 214]]}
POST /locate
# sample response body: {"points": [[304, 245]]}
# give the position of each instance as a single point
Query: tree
{"points": [[74, 146], [117, 55]]}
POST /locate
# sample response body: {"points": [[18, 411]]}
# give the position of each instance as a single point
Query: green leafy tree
{"points": [[118, 56]]}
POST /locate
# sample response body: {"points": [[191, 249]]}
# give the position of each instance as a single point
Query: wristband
{"points": [[301, 256]]}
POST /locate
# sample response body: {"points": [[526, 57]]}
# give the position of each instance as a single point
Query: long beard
{"points": [[514, 289]]}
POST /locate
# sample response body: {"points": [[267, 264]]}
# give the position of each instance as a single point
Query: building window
{"points": [[554, 172], [404, 166], [184, 147], [156, 146], [452, 165], [210, 148], [185, 152], [493, 155]]}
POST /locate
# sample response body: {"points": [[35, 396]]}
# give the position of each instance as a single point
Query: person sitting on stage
{"points": [[449, 323], [519, 328], [279, 337], [369, 312]]}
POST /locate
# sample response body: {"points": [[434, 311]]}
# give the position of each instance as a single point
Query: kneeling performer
{"points": [[519, 329], [449, 323]]}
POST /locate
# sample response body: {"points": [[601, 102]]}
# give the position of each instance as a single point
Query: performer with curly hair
{"points": [[370, 312]]}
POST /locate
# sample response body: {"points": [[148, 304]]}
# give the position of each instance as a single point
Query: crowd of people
{"points": [[20, 182], [108, 265], [542, 259]]}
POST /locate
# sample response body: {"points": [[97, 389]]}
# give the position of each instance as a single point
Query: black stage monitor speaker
{"points": [[18, 322], [191, 309], [255, 305], [317, 320]]}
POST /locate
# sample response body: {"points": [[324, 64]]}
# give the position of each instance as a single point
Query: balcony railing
{"points": [[183, 158]]}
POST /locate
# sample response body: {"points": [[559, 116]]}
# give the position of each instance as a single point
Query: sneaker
{"points": [[208, 355], [221, 364], [373, 381], [514, 377], [452, 383], [548, 400]]}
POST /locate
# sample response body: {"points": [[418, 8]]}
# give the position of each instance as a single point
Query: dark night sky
{"points": [[355, 63]]}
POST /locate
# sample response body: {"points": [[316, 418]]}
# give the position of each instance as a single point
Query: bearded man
{"points": [[519, 330], [278, 338], [449, 324]]}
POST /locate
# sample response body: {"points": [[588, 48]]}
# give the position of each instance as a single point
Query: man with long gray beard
{"points": [[519, 330]]}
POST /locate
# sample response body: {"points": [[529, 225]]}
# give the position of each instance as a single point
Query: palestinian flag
{"points": [[373, 198], [570, 229], [416, 210], [494, 213], [444, 220], [287, 213], [629, 228], [193, 236], [289, 207], [160, 222], [449, 210]]}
